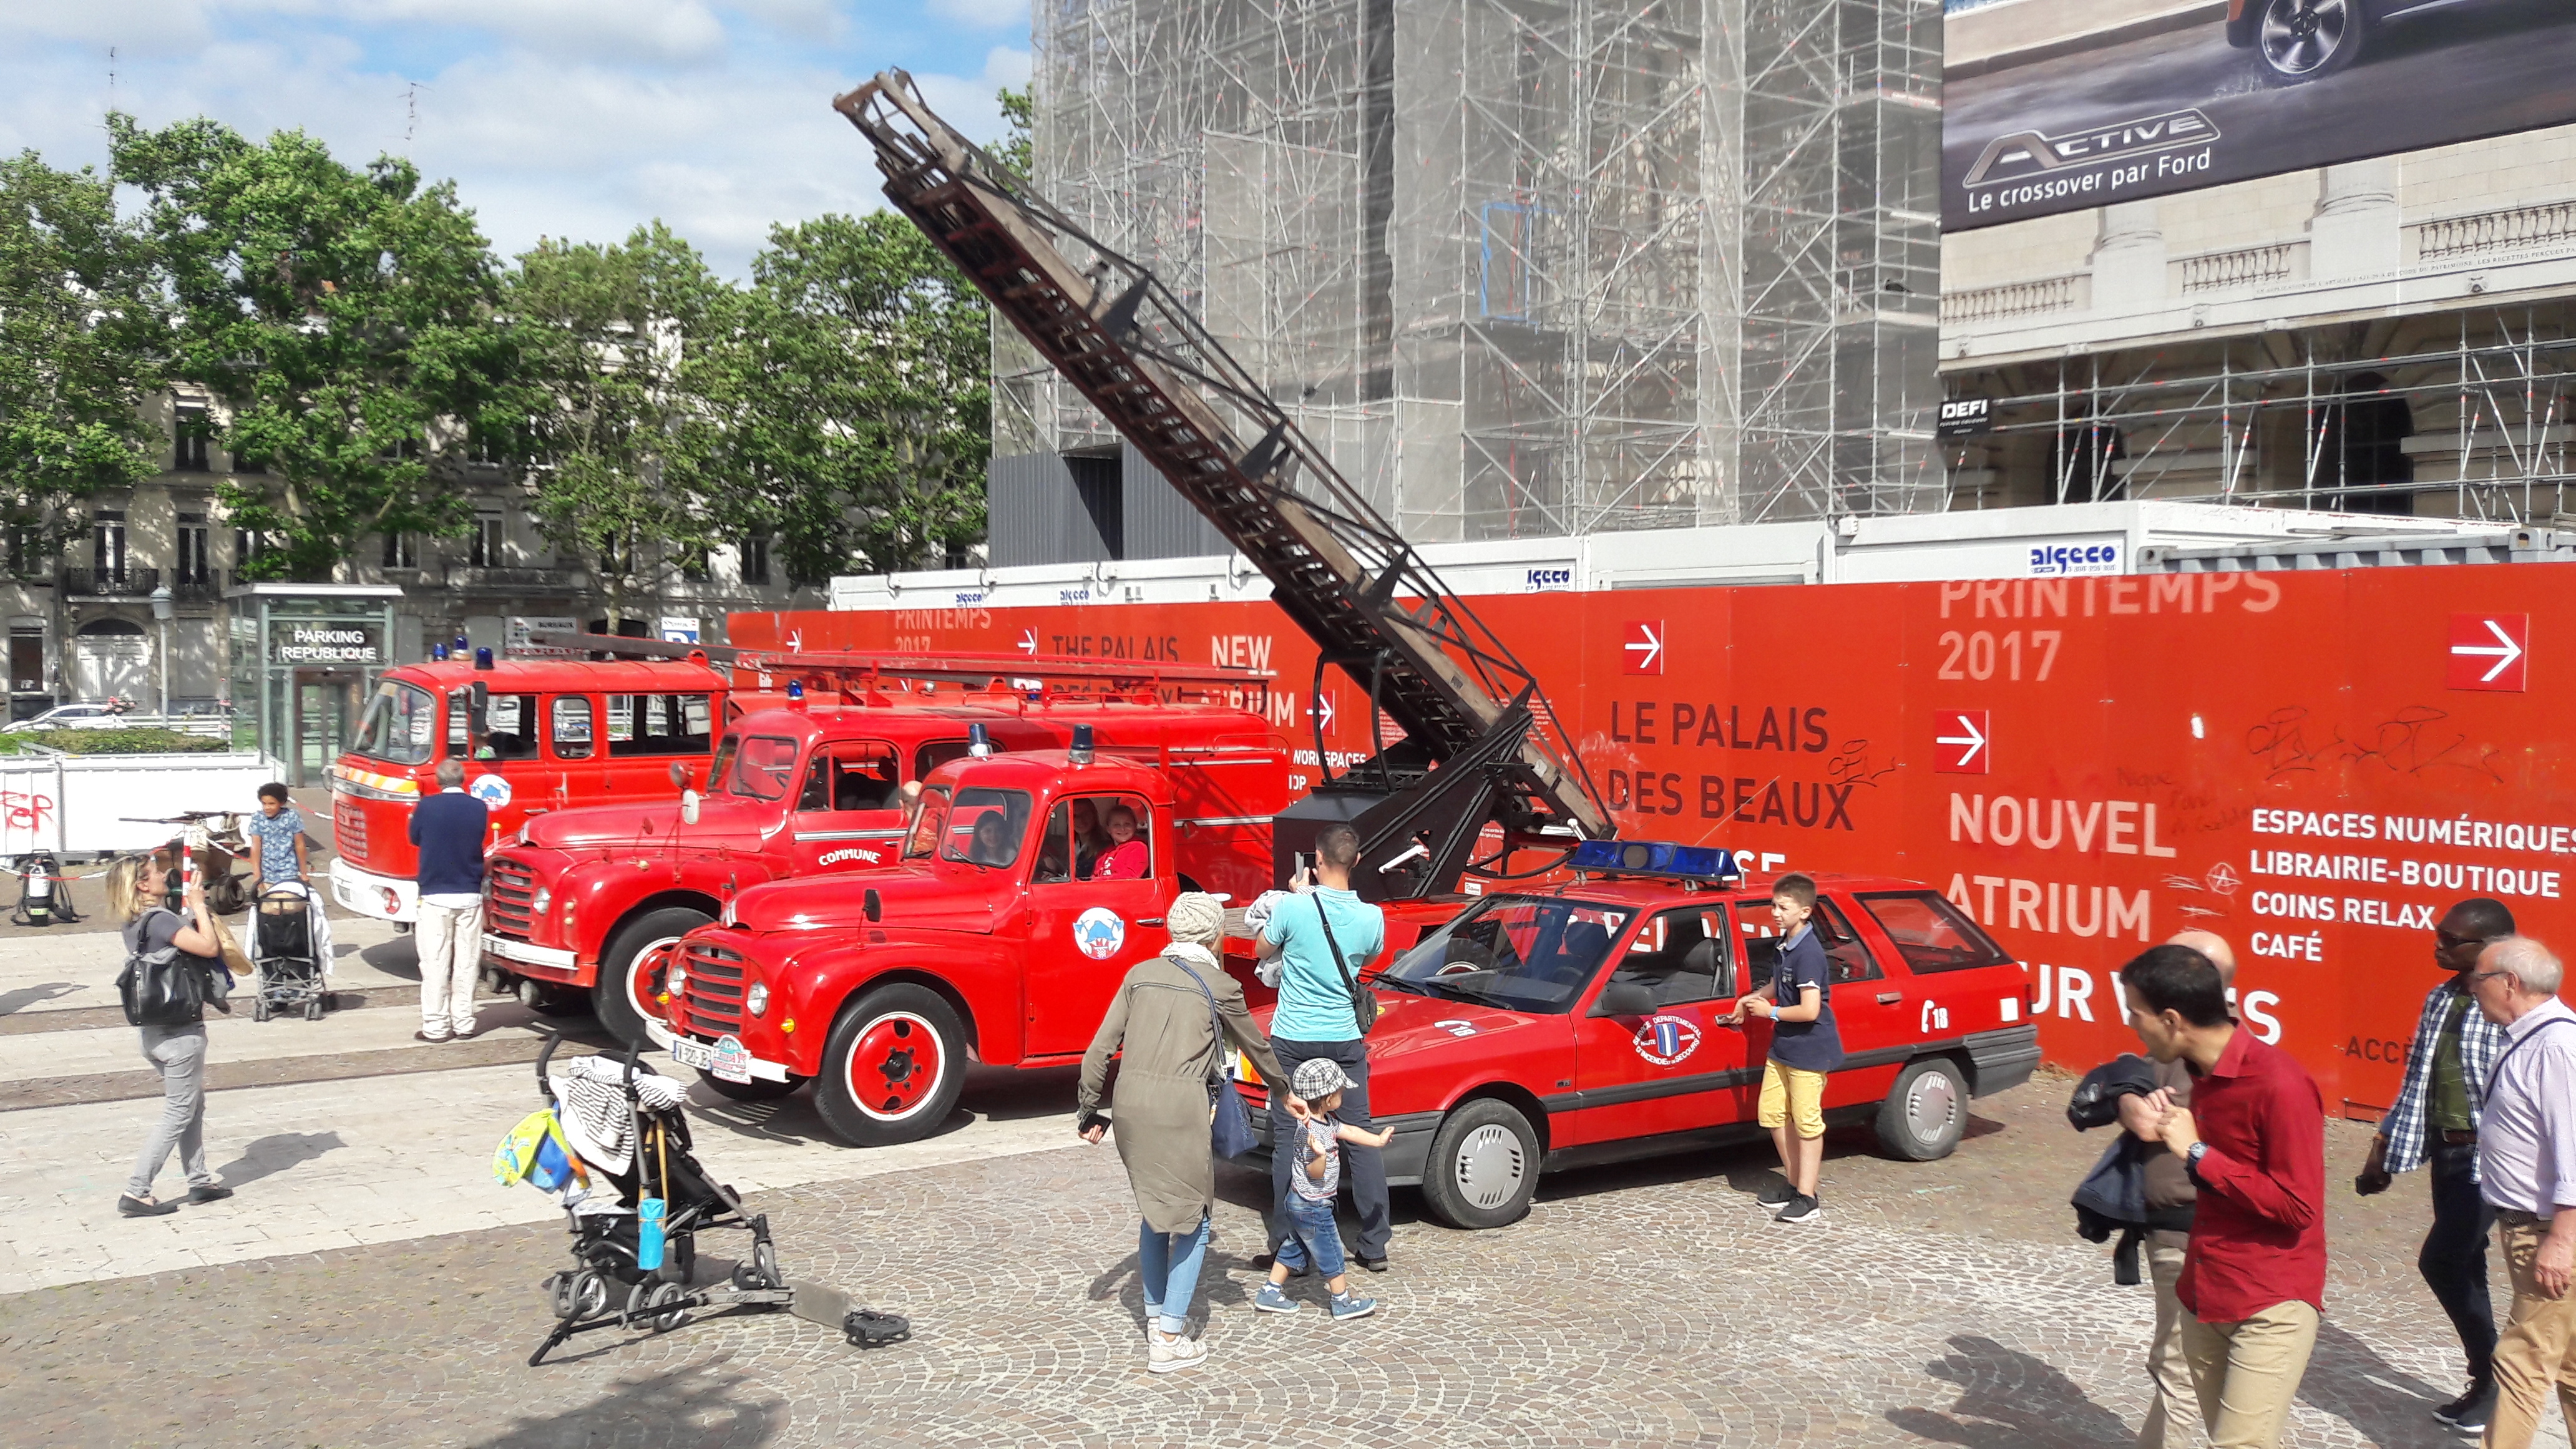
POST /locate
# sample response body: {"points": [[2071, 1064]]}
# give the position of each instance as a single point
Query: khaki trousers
{"points": [[450, 942], [2174, 1407], [2535, 1352], [2246, 1374]]}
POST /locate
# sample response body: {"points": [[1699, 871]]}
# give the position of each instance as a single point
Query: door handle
{"points": [[1149, 920], [1890, 998]]}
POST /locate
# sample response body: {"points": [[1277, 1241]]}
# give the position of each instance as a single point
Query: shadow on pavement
{"points": [[397, 957], [2349, 1380], [691, 1405], [999, 1094], [26, 996], [273, 1154], [2009, 1400]]}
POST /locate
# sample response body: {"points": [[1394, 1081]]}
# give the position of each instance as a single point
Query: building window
{"points": [[402, 551], [26, 658], [194, 550], [483, 545], [755, 560], [248, 545], [615, 555], [22, 550], [190, 439], [107, 545]]}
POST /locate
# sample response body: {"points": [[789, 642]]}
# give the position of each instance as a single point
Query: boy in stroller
{"points": [[290, 945], [613, 1145]]}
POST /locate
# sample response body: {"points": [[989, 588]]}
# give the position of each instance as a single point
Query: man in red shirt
{"points": [[2254, 1140]]}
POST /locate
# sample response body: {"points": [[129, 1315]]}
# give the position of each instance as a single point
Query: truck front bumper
{"points": [[385, 897], [690, 1052]]}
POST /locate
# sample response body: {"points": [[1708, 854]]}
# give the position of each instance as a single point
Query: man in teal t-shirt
{"points": [[1315, 1019]]}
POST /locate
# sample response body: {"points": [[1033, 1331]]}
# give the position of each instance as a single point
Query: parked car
{"points": [[74, 717], [1553, 1028]]}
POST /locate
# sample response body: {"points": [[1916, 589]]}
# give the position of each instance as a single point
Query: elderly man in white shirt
{"points": [[2527, 1169]]}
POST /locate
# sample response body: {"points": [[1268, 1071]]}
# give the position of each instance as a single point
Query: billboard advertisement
{"points": [[2313, 764], [2060, 105]]}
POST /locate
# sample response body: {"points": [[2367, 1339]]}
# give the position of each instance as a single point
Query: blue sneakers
{"points": [[1271, 1300], [1351, 1305]]}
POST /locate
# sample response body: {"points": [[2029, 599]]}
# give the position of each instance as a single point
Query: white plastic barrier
{"points": [[93, 804]]}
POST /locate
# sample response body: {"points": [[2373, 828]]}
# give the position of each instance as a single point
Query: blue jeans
{"points": [[1171, 1278], [1312, 1235]]}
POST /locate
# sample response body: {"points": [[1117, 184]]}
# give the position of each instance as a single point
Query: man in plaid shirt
{"points": [[2448, 1066]]}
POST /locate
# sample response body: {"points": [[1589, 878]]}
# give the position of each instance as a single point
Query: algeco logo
{"points": [[2051, 559], [2023, 155], [1542, 581]]}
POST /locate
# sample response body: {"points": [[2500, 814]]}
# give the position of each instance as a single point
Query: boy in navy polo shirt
{"points": [[1804, 1047]]}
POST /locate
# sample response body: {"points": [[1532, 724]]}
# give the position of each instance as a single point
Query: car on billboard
{"points": [[2300, 40]]}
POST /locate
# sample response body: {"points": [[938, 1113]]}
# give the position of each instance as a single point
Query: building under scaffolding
{"points": [[2455, 413], [1526, 268]]}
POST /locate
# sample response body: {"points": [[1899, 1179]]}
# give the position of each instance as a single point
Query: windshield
{"points": [[1520, 953], [985, 826], [757, 768], [400, 725]]}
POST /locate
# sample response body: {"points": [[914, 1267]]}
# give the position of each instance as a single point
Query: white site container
{"points": [[98, 804]]}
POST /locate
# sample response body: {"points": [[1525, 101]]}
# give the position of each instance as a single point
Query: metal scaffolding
{"points": [[2455, 414], [1527, 268]]}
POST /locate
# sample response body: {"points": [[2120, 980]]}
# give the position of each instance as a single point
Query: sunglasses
{"points": [[2447, 941]]}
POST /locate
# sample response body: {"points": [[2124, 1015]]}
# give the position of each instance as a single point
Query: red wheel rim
{"points": [[644, 977], [895, 1066]]}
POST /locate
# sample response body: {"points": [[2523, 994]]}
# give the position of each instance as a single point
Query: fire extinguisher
{"points": [[43, 894]]}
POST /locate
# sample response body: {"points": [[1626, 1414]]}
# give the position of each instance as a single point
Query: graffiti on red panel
{"points": [[25, 810]]}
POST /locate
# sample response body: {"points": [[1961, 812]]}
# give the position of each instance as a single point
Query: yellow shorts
{"points": [[1791, 1094]]}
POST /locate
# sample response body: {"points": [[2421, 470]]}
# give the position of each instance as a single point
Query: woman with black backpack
{"points": [[173, 966]]}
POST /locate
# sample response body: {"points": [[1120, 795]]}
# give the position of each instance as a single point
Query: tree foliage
{"points": [[620, 355], [338, 315], [79, 349]]}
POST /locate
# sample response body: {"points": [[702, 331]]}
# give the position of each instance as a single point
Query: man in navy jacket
{"points": [[449, 828]]}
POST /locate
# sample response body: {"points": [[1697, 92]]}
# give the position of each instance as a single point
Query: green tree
{"points": [[862, 420], [1017, 149], [619, 362], [337, 314], [80, 344]]}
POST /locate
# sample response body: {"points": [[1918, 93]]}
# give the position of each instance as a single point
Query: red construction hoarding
{"points": [[2303, 762]]}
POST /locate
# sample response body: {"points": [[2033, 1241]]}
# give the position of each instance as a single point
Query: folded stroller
{"points": [[613, 1147], [290, 945]]}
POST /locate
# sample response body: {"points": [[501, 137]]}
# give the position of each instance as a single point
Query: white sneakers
{"points": [[1166, 1353]]}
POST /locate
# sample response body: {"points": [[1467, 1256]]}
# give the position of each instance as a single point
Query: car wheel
{"points": [[630, 970], [758, 1089], [1483, 1168], [2300, 40], [893, 1068], [1925, 1112]]}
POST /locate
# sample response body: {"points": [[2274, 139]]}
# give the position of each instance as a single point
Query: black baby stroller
{"points": [[614, 1145], [290, 945]]}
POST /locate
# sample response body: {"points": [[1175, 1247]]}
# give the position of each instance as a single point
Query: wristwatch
{"points": [[2191, 1159]]}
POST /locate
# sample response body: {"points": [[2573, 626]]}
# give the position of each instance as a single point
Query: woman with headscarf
{"points": [[136, 887], [1165, 1018]]}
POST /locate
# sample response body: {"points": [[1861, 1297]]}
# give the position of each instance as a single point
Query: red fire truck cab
{"points": [[552, 733], [593, 899], [985, 939], [1550, 1028]]}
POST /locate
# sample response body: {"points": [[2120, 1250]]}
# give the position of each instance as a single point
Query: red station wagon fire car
{"points": [[1580, 1024]]}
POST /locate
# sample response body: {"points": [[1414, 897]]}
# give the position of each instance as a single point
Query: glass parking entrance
{"points": [[303, 657]]}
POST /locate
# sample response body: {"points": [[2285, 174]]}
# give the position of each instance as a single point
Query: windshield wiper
{"points": [[1431, 988]]}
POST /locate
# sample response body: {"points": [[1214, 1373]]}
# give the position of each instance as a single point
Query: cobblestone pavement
{"points": [[1942, 1303]]}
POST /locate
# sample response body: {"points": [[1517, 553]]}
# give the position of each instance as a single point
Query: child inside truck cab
{"points": [[1126, 858], [1313, 1181]]}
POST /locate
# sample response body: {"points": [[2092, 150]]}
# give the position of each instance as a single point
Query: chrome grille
{"points": [[509, 896], [714, 997], [349, 829]]}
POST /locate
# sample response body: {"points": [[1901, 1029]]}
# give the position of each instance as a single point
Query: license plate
{"points": [[732, 1062], [693, 1053]]}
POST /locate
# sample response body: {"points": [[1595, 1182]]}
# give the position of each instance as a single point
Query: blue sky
{"points": [[564, 118]]}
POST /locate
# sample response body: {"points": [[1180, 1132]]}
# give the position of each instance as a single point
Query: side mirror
{"points": [[1625, 998], [875, 906], [679, 775]]}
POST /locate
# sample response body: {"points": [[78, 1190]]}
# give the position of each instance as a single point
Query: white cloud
{"points": [[587, 143], [984, 14]]}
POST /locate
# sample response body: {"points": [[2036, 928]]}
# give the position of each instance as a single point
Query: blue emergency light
{"points": [[459, 648], [979, 743], [1657, 857], [796, 689], [482, 656], [1080, 754], [437, 651]]}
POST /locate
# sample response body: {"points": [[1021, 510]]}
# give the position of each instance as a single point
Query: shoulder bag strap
{"points": [[1216, 1023], [1349, 983], [2495, 1074]]}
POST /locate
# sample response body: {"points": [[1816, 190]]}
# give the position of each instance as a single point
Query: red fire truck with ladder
{"points": [[877, 987]]}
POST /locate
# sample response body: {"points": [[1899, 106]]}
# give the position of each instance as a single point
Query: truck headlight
{"points": [[676, 980], [757, 999], [542, 902]]}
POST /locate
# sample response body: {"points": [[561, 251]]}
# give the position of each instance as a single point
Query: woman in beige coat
{"points": [[1161, 1018]]}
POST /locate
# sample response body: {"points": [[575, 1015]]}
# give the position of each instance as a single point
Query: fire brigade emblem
{"points": [[1100, 931], [1667, 1040], [492, 790]]}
